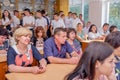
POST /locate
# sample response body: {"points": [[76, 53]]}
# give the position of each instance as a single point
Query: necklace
{"points": [[22, 51]]}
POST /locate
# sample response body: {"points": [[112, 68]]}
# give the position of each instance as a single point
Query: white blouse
{"points": [[5, 21], [93, 36]]}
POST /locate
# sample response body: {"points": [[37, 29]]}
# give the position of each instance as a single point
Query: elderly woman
{"points": [[20, 56]]}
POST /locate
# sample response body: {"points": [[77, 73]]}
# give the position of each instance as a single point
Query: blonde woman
{"points": [[20, 56]]}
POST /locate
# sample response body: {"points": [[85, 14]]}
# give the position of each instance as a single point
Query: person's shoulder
{"points": [[30, 46], [77, 19], [53, 20], [11, 49], [66, 17], [60, 19], [90, 33], [45, 38], [76, 41], [49, 40], [24, 17], [13, 17], [66, 43], [43, 18], [32, 17]]}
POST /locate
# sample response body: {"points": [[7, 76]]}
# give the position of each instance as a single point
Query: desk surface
{"points": [[53, 72], [3, 57]]}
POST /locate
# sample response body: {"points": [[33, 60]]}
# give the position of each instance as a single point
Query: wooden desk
{"points": [[86, 42], [3, 66], [53, 72]]}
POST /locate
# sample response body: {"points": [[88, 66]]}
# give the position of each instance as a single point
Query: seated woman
{"points": [[39, 38], [93, 34], [96, 58], [4, 42], [71, 34], [114, 40], [20, 56], [80, 35]]}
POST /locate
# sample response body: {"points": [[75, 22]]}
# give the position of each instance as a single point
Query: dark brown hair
{"points": [[105, 24], [38, 29], [3, 16], [112, 28], [3, 31], [90, 29], [70, 30], [113, 39], [96, 51], [58, 30]]}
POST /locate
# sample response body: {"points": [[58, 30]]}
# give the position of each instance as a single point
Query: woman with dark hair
{"points": [[6, 19], [71, 34], [96, 58], [3, 40], [93, 33], [114, 40]]}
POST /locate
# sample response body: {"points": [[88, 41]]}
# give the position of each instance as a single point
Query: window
{"points": [[114, 13], [86, 11], [80, 6], [75, 6]]}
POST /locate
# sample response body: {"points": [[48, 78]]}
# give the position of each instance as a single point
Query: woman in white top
{"points": [[93, 34], [6, 19]]}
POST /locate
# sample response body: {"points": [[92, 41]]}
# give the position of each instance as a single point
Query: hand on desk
{"points": [[37, 70], [74, 60], [41, 68], [42, 65]]}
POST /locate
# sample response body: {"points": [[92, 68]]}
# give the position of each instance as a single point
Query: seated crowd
{"points": [[58, 41]]}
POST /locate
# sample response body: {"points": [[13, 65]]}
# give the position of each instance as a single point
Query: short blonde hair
{"points": [[21, 32]]}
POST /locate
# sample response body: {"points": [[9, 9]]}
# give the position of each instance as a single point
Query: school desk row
{"points": [[58, 70]]}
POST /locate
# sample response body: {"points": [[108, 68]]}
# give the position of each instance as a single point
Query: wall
{"points": [[98, 12], [62, 5]]}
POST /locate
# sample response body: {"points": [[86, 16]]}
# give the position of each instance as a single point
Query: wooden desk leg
{"points": [[84, 45], [35, 62], [3, 69]]}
